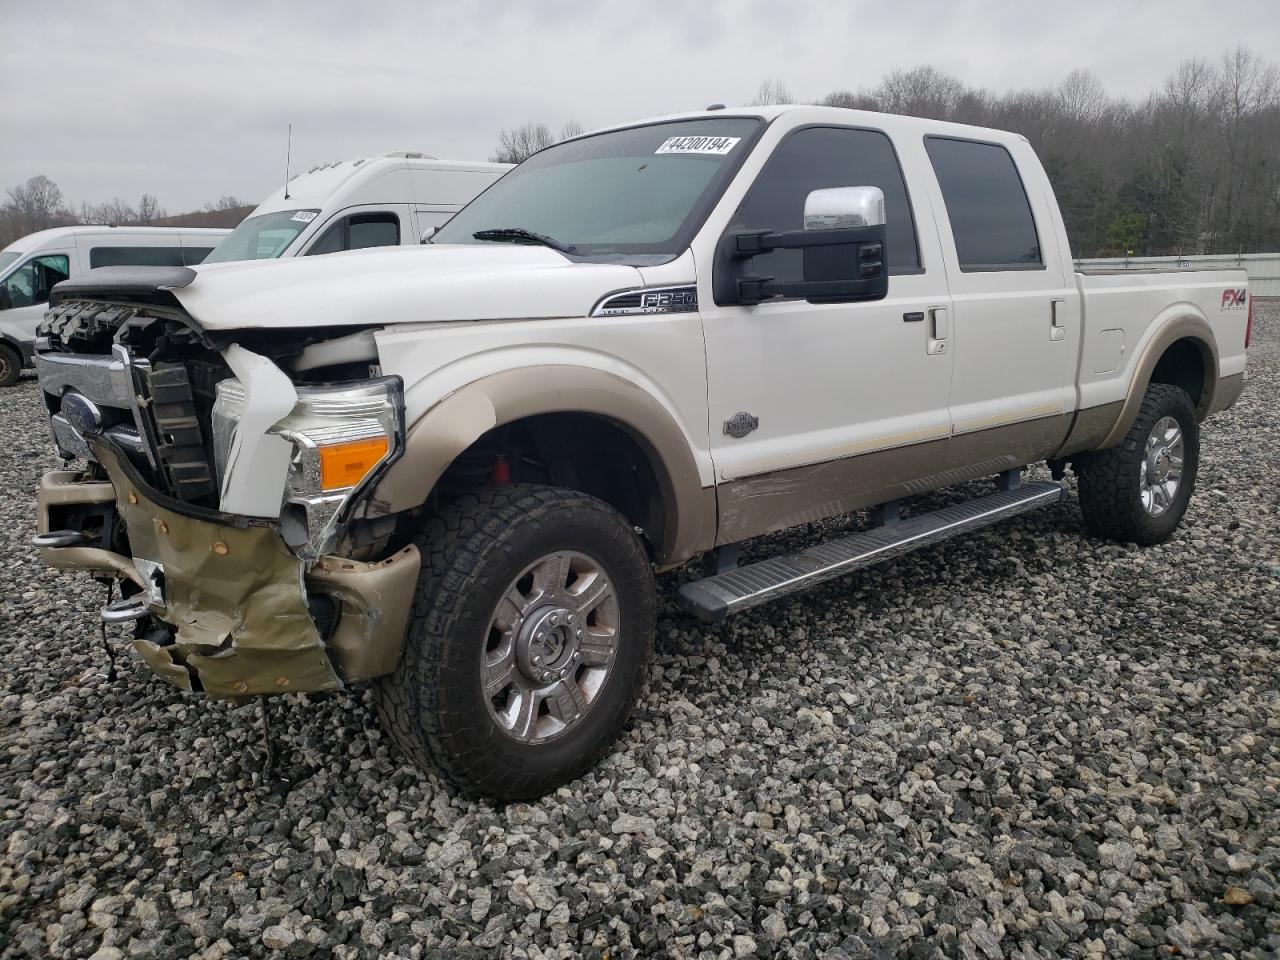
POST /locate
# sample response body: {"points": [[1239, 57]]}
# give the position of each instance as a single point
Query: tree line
{"points": [[1193, 168], [39, 204]]}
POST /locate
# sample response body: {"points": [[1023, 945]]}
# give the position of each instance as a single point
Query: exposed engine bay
{"points": [[220, 486]]}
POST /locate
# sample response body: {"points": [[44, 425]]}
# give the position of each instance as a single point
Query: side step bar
{"points": [[714, 598]]}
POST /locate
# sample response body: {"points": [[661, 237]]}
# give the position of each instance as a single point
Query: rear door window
{"points": [[987, 205]]}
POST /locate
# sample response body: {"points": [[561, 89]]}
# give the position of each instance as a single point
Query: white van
{"points": [[385, 201], [31, 266]]}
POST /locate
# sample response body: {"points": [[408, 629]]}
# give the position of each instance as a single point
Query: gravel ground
{"points": [[1025, 744]]}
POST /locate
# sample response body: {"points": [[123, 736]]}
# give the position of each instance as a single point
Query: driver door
{"points": [[817, 409]]}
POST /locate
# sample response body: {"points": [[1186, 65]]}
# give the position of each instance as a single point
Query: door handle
{"points": [[939, 330], [1057, 322]]}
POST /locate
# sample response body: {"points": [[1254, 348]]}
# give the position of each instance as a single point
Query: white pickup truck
{"points": [[452, 470]]}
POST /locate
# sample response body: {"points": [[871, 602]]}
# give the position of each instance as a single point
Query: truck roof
{"points": [[843, 115], [41, 237], [388, 178]]}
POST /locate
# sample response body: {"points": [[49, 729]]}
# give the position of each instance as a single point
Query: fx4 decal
{"points": [[1233, 299]]}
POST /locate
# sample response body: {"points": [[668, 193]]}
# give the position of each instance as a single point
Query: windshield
{"points": [[643, 190], [263, 237], [6, 259]]}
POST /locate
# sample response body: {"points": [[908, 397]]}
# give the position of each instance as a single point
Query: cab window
{"points": [[357, 232], [135, 257], [814, 158], [987, 205], [30, 284]]}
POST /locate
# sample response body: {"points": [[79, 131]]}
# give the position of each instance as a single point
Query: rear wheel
{"points": [[10, 365], [1139, 490], [529, 644]]}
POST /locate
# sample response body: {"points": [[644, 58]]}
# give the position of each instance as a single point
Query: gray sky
{"points": [[189, 100]]}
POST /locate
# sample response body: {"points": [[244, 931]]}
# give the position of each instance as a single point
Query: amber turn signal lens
{"points": [[346, 464]]}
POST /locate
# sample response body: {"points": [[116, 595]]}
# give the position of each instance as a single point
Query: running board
{"points": [[714, 598]]}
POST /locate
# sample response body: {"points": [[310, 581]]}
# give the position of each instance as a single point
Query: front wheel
{"points": [[1138, 491], [529, 644]]}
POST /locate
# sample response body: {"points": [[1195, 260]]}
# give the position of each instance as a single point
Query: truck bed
{"points": [[1121, 311]]}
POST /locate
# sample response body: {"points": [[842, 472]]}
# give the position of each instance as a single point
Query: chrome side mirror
{"points": [[835, 208]]}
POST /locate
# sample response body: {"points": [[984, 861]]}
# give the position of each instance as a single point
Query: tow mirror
{"points": [[842, 246], [836, 208]]}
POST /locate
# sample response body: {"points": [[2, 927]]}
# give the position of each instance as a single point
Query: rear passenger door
{"points": [[1012, 386]]}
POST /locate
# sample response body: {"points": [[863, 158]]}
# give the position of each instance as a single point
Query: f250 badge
{"points": [[1233, 299], [676, 300]]}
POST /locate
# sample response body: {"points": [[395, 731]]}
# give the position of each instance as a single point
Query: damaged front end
{"points": [[225, 495]]}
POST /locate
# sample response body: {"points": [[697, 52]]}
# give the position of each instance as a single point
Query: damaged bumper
{"points": [[233, 611]]}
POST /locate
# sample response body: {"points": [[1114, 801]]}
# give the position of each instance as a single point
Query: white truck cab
{"points": [[385, 201], [453, 469], [30, 266]]}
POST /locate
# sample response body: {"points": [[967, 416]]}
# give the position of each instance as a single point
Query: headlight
{"points": [[340, 435]]}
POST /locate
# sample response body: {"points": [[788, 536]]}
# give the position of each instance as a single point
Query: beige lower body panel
{"points": [[1090, 428], [775, 501], [236, 598], [1228, 392]]}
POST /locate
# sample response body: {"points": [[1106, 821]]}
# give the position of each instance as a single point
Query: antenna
{"points": [[288, 155]]}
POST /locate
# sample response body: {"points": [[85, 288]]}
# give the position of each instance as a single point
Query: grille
{"points": [[150, 414]]}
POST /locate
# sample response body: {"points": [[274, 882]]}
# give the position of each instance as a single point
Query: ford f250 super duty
{"points": [[452, 470]]}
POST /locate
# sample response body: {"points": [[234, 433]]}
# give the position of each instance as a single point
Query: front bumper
{"points": [[231, 598]]}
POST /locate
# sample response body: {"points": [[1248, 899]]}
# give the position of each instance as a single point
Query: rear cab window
{"points": [[991, 219]]}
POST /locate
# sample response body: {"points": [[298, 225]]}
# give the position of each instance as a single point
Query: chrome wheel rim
{"points": [[1161, 471], [549, 647]]}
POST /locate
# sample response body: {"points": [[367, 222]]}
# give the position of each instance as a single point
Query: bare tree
{"points": [[572, 129], [1082, 97], [36, 205], [849, 100], [225, 203], [772, 91], [919, 92], [149, 210], [524, 141]]}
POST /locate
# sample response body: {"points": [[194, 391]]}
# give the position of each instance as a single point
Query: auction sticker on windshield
{"points": [[705, 145], [304, 216]]}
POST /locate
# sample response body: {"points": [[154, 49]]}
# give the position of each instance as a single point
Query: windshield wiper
{"points": [[521, 235]]}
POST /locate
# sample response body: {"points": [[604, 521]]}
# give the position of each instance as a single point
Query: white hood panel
{"points": [[391, 285]]}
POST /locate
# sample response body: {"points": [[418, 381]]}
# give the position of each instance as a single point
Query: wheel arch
{"points": [[22, 350], [1182, 352], [515, 397]]}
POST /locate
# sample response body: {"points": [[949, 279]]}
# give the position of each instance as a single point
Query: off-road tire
{"points": [[1110, 485], [433, 705], [10, 365]]}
